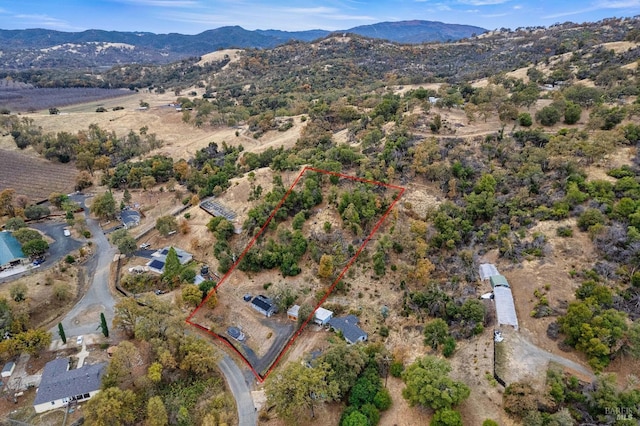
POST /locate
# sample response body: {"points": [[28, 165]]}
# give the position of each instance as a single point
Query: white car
{"points": [[145, 246], [79, 340]]}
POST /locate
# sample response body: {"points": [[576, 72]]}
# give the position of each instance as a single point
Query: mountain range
{"points": [[40, 48]]}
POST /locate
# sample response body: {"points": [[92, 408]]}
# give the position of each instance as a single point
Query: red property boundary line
{"points": [[299, 331]]}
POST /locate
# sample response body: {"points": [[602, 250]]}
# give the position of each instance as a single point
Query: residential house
{"points": [[348, 326], [322, 316], [264, 305], [10, 251], [160, 257], [60, 386]]}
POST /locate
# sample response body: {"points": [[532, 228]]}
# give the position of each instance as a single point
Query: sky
{"points": [[195, 16]]}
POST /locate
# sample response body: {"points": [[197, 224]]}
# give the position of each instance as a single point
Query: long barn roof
{"points": [[505, 307]]}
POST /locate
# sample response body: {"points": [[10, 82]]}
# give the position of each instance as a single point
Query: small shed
{"points": [[293, 312], [322, 316], [498, 281], [487, 270], [8, 368]]}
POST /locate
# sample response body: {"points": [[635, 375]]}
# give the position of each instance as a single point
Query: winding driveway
{"points": [[241, 391], [84, 318]]}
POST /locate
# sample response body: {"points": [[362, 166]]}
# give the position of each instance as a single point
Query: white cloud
{"points": [[599, 5], [43, 21], [161, 3], [483, 2], [618, 4]]}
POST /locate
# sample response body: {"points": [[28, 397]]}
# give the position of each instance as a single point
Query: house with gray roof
{"points": [[264, 305], [159, 258], [348, 326], [10, 250], [60, 386]]}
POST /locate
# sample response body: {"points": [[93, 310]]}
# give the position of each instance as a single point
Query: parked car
{"points": [[145, 246], [66, 233], [79, 340]]}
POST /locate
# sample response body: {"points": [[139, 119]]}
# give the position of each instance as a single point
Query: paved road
{"points": [[524, 359], [84, 318], [241, 391]]}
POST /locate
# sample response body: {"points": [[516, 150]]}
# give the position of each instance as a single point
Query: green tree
{"points": [[589, 218], [303, 313], [345, 362], [197, 357], [446, 417], [124, 241], [33, 341], [166, 225], [191, 295], [572, 113], [172, 267], [113, 406], [548, 116], [154, 372], [156, 412], [355, 418], [24, 235], [127, 315], [428, 384], [122, 362], [633, 337], [221, 228], [297, 389], [436, 332], [63, 336], [35, 247], [448, 347], [103, 325], [104, 206], [126, 196], [325, 269], [524, 119], [14, 223], [35, 212]]}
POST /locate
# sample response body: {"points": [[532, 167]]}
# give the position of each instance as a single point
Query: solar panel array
{"points": [[216, 208]]}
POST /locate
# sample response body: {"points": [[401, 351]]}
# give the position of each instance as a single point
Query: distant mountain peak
{"points": [[19, 45]]}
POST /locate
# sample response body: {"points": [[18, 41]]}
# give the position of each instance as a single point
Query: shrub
{"points": [[564, 231], [525, 119], [396, 368], [548, 116]]}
